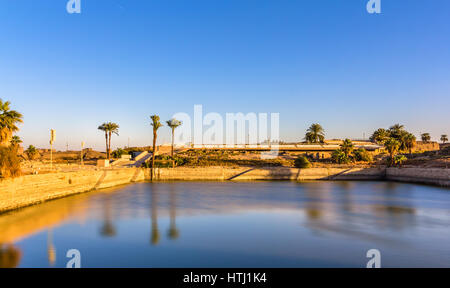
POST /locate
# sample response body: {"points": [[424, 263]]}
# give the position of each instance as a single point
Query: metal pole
{"points": [[52, 139], [51, 155], [81, 153]]}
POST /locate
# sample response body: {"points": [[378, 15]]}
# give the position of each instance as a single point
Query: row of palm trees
{"points": [[316, 134], [156, 124], [394, 139], [110, 128]]}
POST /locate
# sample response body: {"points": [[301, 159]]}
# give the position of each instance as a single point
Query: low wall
{"points": [[33, 189], [434, 176], [269, 173], [429, 146]]}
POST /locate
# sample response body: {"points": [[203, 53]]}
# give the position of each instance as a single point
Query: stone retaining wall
{"points": [[269, 173], [33, 189], [434, 176]]}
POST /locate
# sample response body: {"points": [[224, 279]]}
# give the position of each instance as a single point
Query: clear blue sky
{"points": [[325, 61]]}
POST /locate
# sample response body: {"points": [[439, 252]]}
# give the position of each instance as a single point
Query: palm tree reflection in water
{"points": [[9, 256], [108, 229], [51, 250], [173, 232], [154, 214]]}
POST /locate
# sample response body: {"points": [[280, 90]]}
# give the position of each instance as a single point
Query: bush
{"points": [[118, 153], [158, 164], [302, 162], [9, 162], [163, 157], [399, 159], [362, 155], [338, 156]]}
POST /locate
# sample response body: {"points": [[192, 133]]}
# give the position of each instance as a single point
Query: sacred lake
{"points": [[234, 224]]}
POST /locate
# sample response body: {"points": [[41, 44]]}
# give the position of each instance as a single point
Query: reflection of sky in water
{"points": [[268, 224]]}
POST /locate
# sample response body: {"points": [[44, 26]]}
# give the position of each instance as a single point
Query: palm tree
{"points": [[392, 145], [402, 138], [425, 137], [103, 128], [156, 125], [15, 141], [396, 130], [380, 136], [109, 128], [347, 147], [410, 142], [8, 122], [444, 138], [31, 152], [173, 124], [315, 134]]}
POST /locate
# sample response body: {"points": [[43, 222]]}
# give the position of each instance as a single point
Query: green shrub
{"points": [[118, 153], [399, 159], [158, 164], [338, 156], [302, 162], [163, 157], [362, 155], [9, 162]]}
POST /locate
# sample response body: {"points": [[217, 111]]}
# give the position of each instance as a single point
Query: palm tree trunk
{"points": [[154, 152], [171, 152], [107, 150], [109, 145]]}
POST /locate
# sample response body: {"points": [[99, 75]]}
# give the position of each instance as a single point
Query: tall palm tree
{"points": [[109, 128], [392, 145], [156, 125], [426, 137], [444, 138], [315, 134], [103, 128], [410, 142], [173, 124], [8, 122], [347, 147]]}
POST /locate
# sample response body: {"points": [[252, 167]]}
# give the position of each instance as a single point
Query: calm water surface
{"points": [[257, 224]]}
